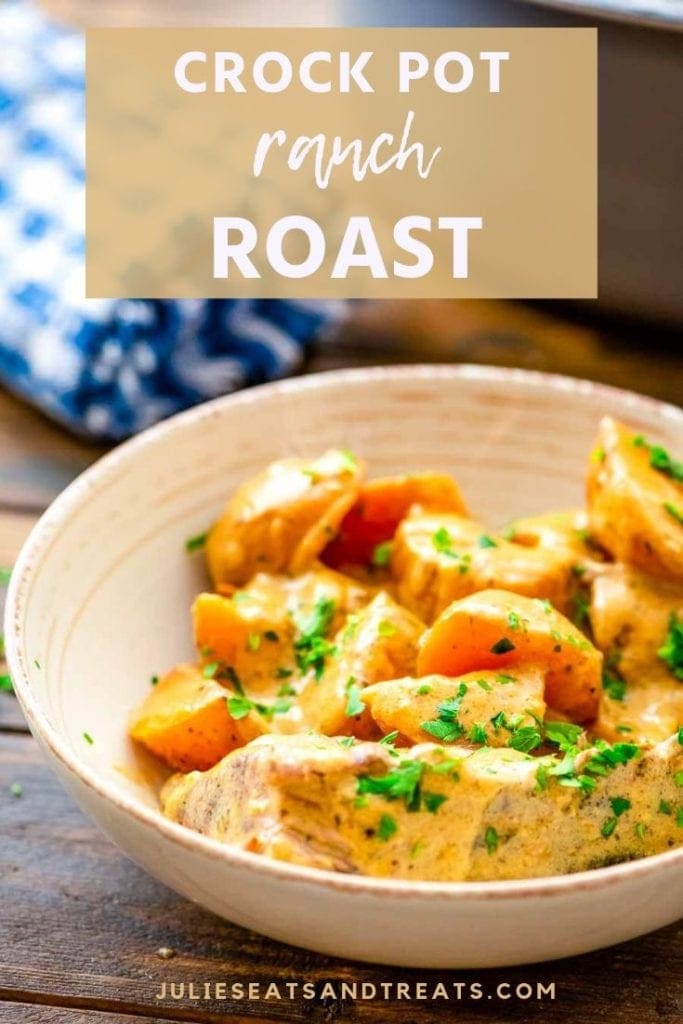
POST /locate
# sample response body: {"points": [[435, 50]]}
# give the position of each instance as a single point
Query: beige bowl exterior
{"points": [[99, 602]]}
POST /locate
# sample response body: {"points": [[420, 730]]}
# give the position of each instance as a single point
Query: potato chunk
{"points": [[377, 643], [434, 813], [439, 558], [635, 501], [255, 630], [185, 721], [494, 708], [495, 629], [281, 520], [630, 616], [381, 506]]}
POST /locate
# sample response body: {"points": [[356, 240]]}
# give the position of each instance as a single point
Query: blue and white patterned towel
{"points": [[106, 368]]}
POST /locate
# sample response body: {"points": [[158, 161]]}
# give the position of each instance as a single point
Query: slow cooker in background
{"points": [[640, 130], [640, 109]]}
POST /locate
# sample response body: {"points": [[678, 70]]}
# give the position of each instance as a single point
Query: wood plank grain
{"points": [[36, 1013], [37, 457], [14, 529], [80, 925]]}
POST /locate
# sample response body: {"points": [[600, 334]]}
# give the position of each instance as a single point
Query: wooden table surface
{"points": [[87, 937]]}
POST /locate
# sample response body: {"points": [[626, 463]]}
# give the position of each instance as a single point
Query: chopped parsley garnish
{"points": [[660, 459], [386, 628], [423, 689], [446, 726], [254, 641], [640, 830], [311, 648], [16, 789], [443, 544], [477, 733], [271, 636], [388, 740], [486, 542], [679, 817], [510, 532], [347, 741], [284, 673], [542, 777], [401, 783], [581, 609], [678, 778], [514, 621], [349, 460], [6, 684], [680, 735], [491, 839], [354, 704], [241, 706], [209, 671], [674, 511], [88, 738], [387, 827], [484, 685], [5, 576], [153, 680], [196, 543], [614, 687], [620, 805], [664, 807], [671, 651], [433, 801], [525, 739], [564, 734], [381, 555], [503, 646], [608, 827]]}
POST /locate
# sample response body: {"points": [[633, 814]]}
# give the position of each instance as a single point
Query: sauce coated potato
{"points": [[495, 629], [635, 509], [281, 520], [438, 559]]}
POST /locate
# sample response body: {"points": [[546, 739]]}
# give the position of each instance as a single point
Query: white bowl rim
{"points": [[47, 528]]}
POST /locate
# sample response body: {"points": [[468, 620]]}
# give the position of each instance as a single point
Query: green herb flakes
{"points": [[196, 543], [446, 726], [671, 652], [614, 687], [674, 511], [387, 827], [619, 805], [381, 555], [477, 733], [433, 801], [354, 704], [491, 839], [311, 648], [608, 826]]}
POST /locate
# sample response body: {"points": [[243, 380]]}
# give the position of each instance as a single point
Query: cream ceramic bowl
{"points": [[99, 601]]}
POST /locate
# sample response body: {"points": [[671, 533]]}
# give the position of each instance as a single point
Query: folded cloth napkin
{"points": [[105, 368]]}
